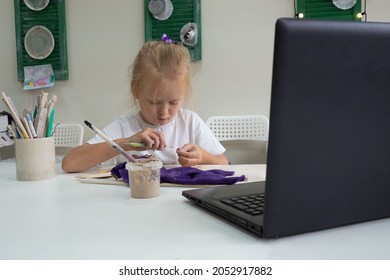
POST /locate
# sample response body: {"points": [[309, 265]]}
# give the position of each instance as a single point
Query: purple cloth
{"points": [[186, 175], [192, 176], [119, 171]]}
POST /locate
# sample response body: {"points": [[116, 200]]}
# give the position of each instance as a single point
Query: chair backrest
{"points": [[68, 135], [251, 127]]}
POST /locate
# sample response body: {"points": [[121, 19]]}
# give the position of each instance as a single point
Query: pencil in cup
{"points": [[15, 115]]}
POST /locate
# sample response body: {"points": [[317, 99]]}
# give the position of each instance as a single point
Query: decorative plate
{"points": [[344, 4], [161, 9], [189, 34], [39, 42], [36, 5]]}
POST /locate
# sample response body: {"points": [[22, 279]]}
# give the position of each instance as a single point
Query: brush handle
{"points": [[109, 140]]}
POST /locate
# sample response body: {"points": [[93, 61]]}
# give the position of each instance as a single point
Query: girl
{"points": [[160, 85]]}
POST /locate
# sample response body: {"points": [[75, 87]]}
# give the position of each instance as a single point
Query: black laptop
{"points": [[328, 161]]}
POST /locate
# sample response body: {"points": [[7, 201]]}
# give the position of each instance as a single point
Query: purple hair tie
{"points": [[165, 38]]}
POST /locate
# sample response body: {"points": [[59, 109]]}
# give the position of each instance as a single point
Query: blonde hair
{"points": [[157, 63]]}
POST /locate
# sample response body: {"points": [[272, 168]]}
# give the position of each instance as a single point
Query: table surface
{"points": [[61, 218]]}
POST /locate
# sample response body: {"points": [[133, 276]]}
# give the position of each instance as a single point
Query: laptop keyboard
{"points": [[251, 204]]}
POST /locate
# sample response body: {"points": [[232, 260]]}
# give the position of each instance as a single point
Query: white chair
{"points": [[245, 137], [68, 135], [226, 128]]}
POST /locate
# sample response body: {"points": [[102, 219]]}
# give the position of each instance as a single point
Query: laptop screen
{"points": [[329, 142]]}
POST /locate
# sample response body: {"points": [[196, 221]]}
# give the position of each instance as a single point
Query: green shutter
{"points": [[325, 9], [53, 18], [184, 11]]}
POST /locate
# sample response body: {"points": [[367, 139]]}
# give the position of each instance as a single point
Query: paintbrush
{"points": [[141, 145], [109, 141]]}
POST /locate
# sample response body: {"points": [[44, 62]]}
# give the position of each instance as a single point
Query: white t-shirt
{"points": [[186, 127]]}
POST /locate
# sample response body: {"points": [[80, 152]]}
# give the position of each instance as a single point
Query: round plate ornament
{"points": [[39, 42], [344, 4], [36, 5]]}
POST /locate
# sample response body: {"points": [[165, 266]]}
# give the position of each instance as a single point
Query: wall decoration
{"points": [[39, 42], [329, 9], [39, 76], [182, 26], [161, 9], [189, 34], [40, 28], [36, 5]]}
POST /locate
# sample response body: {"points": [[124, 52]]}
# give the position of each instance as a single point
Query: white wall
{"points": [[233, 77]]}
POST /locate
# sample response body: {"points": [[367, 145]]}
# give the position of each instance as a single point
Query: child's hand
{"points": [[152, 139], [189, 155]]}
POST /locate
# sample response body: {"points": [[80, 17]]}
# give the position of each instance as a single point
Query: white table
{"points": [[62, 218]]}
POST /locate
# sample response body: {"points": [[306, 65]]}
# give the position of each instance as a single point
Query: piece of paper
{"points": [[40, 76]]}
